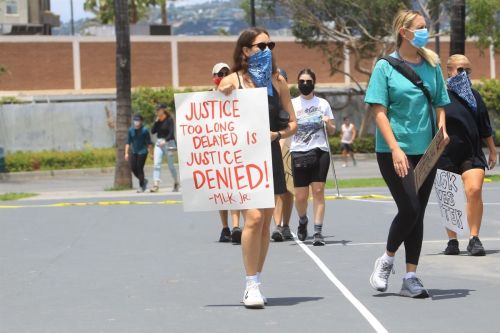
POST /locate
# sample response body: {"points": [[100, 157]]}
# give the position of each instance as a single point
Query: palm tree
{"points": [[123, 177], [457, 26]]}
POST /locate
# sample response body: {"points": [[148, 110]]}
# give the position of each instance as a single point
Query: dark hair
{"points": [[246, 39], [138, 116], [345, 118], [309, 72]]}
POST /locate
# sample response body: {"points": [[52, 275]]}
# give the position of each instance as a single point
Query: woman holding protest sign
{"points": [[310, 153], [254, 66], [405, 115], [467, 122]]}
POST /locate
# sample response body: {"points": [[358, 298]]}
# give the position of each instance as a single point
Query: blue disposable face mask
{"points": [[420, 37], [260, 69]]}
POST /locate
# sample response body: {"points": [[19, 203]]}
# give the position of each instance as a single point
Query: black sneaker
{"points": [[277, 234], [176, 187], [236, 235], [225, 235], [144, 185], [452, 248], [302, 231], [318, 239], [475, 247], [287, 233]]}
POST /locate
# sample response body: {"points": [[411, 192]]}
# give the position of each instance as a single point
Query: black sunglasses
{"points": [[466, 70], [305, 81], [262, 46], [222, 73]]}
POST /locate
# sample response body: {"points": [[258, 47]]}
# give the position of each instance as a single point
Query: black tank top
{"points": [[274, 104]]}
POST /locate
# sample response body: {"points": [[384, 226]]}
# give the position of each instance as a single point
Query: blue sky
{"points": [[62, 8]]}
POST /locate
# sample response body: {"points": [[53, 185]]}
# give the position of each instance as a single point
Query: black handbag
{"points": [[305, 159]]}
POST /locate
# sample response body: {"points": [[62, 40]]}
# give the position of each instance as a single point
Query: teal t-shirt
{"points": [[406, 105]]}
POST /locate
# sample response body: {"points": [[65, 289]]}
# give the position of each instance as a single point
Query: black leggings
{"points": [[137, 162], [408, 225]]}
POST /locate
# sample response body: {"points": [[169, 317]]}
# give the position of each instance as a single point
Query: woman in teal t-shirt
{"points": [[403, 134]]}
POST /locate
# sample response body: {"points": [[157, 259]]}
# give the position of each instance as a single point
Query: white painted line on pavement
{"points": [[377, 326]]}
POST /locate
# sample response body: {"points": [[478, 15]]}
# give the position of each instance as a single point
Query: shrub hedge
{"points": [[53, 160]]}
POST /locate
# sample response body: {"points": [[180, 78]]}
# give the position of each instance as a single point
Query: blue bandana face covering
{"points": [[260, 69], [460, 84], [420, 38]]}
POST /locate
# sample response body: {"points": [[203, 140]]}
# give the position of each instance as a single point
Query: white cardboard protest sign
{"points": [[224, 149], [450, 194]]}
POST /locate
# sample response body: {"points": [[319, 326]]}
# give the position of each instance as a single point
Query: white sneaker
{"points": [[344, 165], [380, 276], [252, 298], [264, 298]]}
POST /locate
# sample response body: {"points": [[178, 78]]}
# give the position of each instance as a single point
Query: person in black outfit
{"points": [[140, 142], [467, 123], [165, 145], [254, 66]]}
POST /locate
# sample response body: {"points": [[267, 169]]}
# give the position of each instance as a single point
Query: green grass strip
{"points": [[379, 182], [356, 182], [16, 196]]}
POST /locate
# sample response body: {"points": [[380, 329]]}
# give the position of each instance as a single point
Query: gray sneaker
{"points": [[277, 234], [318, 239], [287, 233], [380, 276], [413, 287]]}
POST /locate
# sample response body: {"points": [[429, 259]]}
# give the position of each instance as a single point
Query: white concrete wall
{"points": [[22, 17], [57, 126]]}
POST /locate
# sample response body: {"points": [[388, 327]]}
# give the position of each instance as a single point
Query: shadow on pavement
{"points": [[437, 294], [275, 301], [440, 294], [462, 253]]}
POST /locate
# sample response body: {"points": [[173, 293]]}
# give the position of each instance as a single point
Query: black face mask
{"points": [[306, 88]]}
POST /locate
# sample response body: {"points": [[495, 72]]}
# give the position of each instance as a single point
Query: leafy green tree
{"points": [[483, 21], [104, 10]]}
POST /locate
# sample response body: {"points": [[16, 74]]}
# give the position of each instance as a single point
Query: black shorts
{"points": [[459, 157], [278, 169], [317, 173], [448, 164], [346, 146]]}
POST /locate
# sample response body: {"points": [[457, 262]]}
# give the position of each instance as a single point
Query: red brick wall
{"points": [[49, 65], [151, 64], [196, 60], [36, 66]]}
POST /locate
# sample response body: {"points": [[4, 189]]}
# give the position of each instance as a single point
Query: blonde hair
{"points": [[458, 60], [404, 19]]}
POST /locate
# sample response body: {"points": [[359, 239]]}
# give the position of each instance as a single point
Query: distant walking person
{"points": [[310, 154], [220, 71], [348, 135], [284, 202], [405, 121], [139, 141], [467, 122], [165, 145]]}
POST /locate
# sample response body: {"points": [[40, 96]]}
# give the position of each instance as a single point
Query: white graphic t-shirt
{"points": [[310, 131]]}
